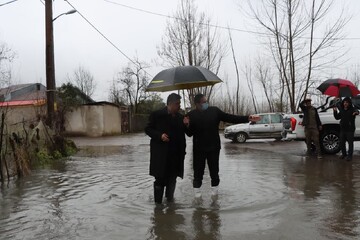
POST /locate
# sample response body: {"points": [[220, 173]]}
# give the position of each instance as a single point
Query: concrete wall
{"points": [[16, 116], [87, 120], [93, 120]]}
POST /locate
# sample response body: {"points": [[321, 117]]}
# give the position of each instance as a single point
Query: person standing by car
{"points": [[167, 147], [312, 124], [203, 123], [346, 114]]}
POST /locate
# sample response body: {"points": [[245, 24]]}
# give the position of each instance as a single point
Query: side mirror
{"points": [[252, 123], [301, 116]]}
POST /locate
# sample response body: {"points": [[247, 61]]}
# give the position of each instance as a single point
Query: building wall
{"points": [[16, 116], [86, 120], [94, 121]]}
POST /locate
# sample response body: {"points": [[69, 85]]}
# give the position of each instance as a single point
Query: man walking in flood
{"points": [[203, 123], [312, 124], [167, 147]]}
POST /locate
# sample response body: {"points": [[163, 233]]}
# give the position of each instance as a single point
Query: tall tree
{"points": [[189, 39], [263, 75], [133, 81], [6, 58], [299, 38], [84, 80]]}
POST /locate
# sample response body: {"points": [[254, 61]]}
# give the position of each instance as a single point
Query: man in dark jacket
{"points": [[204, 127], [312, 124], [167, 147], [346, 115]]}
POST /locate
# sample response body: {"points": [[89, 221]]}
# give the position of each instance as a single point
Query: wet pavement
{"points": [[268, 190]]}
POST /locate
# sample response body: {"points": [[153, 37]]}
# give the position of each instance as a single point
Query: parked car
{"points": [[269, 126]]}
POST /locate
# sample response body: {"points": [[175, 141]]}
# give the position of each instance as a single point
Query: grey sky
{"points": [[22, 27]]}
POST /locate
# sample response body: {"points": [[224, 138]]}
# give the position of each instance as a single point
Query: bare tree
{"points": [[84, 80], [237, 73], [263, 75], [116, 94], [6, 58], [133, 81], [249, 79], [291, 26], [190, 40]]}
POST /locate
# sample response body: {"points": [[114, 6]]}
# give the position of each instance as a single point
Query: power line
{"points": [[106, 38], [207, 24], [7, 3], [181, 19]]}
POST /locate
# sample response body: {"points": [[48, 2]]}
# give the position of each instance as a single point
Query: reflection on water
{"points": [[206, 224], [105, 192], [167, 224]]}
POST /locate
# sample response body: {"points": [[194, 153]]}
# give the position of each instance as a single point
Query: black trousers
{"points": [[199, 162], [347, 137], [168, 181]]}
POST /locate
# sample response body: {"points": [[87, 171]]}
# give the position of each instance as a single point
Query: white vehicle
{"points": [[269, 126], [329, 136]]}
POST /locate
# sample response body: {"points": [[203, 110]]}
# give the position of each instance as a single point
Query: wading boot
{"points": [[158, 193], [214, 191], [169, 192], [197, 192]]}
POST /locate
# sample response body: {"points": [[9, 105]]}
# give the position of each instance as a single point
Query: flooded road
{"points": [[268, 190]]}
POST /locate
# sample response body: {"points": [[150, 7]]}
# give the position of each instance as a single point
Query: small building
{"points": [[26, 104], [23, 103]]}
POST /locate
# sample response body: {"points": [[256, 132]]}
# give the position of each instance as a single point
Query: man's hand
{"points": [[165, 137], [186, 121], [320, 128], [355, 113], [254, 118], [335, 109]]}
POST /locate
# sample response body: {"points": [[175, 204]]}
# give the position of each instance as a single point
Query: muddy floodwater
{"points": [[268, 190]]}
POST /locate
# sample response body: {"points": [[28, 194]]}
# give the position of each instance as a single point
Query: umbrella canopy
{"points": [[338, 88], [182, 77]]}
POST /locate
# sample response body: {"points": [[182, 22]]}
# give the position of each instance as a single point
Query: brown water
{"points": [[104, 192]]}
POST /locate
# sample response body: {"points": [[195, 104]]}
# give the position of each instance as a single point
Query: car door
{"points": [[261, 128], [276, 120]]}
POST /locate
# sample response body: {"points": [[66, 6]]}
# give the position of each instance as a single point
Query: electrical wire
{"points": [[3, 4], [210, 25], [181, 19], [106, 38]]}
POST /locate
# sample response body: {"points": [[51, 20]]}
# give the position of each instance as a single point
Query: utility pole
{"points": [[50, 65]]}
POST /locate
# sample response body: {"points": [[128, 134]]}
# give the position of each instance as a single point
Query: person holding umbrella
{"points": [[203, 124], [167, 147], [346, 114], [312, 124]]}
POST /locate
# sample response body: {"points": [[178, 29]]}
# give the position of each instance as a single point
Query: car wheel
{"points": [[330, 142], [240, 137]]}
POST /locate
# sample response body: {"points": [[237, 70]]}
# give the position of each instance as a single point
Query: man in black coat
{"points": [[203, 124], [167, 147], [346, 115]]}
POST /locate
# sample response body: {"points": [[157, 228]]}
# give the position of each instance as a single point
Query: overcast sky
{"points": [[22, 28]]}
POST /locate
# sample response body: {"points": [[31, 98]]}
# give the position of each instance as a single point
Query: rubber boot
{"points": [[158, 193], [197, 192], [214, 191], [170, 189]]}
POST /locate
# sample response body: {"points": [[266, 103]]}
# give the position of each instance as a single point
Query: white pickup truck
{"points": [[329, 136]]}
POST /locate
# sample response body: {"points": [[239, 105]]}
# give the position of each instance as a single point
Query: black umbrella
{"points": [[182, 77]]}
